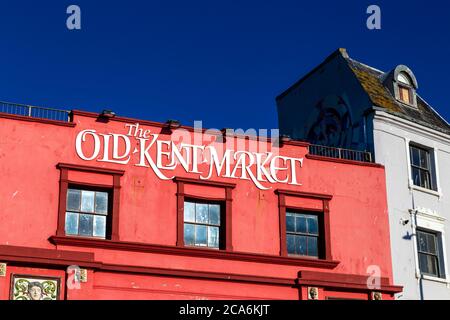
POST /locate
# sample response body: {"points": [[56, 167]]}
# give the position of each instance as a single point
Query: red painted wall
{"points": [[29, 198]]}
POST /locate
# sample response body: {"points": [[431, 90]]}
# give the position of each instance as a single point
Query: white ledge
{"points": [[425, 190], [435, 279]]}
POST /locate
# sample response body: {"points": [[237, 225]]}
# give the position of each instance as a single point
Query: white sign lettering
{"points": [[164, 156]]}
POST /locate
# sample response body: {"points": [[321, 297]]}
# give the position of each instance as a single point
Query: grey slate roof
{"points": [[371, 80]]}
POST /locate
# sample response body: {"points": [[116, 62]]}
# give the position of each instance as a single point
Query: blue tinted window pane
{"points": [[300, 222], [415, 156], [213, 237], [73, 200], [422, 240], [300, 245], [71, 223], [425, 180], [86, 225], [432, 248], [312, 247], [201, 212], [201, 235], [100, 226], [189, 212], [189, 234], [423, 158], [214, 214], [415, 172], [101, 202], [428, 264], [432, 265], [87, 201], [290, 244], [423, 263], [313, 227], [290, 222]]}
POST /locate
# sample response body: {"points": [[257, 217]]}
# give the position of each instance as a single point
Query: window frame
{"points": [[108, 215], [430, 171], [324, 243], [406, 76], [221, 226], [411, 86], [318, 237], [440, 265], [226, 213], [402, 86], [114, 198]]}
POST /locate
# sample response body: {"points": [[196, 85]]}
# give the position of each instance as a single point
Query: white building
{"points": [[344, 103]]}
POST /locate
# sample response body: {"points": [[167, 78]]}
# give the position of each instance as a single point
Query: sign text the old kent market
{"points": [[144, 148]]}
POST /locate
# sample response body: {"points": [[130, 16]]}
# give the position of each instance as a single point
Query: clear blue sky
{"points": [[219, 61]]}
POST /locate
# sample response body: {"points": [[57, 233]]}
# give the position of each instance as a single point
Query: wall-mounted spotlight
{"points": [[173, 124], [108, 114], [404, 222], [285, 138]]}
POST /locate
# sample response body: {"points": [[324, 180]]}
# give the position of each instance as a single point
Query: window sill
{"points": [[406, 104], [194, 252], [201, 247], [84, 237], [299, 256], [434, 279], [425, 190]]}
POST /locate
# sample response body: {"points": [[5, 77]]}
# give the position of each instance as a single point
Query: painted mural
{"points": [[332, 122]]}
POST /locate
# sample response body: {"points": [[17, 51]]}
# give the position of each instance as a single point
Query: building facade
{"points": [[343, 103], [97, 206]]}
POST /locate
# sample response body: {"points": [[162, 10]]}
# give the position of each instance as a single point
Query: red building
{"points": [[102, 207]]}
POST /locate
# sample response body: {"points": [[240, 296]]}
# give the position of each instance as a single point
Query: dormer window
{"points": [[403, 85], [404, 88]]}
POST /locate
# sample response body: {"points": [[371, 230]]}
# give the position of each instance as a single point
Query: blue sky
{"points": [[223, 62]]}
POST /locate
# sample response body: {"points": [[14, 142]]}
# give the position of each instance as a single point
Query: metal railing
{"points": [[340, 153], [34, 112]]}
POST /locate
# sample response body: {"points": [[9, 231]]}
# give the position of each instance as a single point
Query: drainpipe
{"points": [[416, 257], [413, 213], [366, 114]]}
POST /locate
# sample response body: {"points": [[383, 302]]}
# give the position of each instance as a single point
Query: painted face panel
{"points": [[34, 288]]}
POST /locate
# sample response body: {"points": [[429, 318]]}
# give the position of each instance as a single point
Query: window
{"points": [[422, 169], [404, 94], [404, 85], [430, 259], [201, 221], [404, 78], [87, 213], [404, 88], [302, 234], [304, 224], [202, 224], [82, 204]]}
